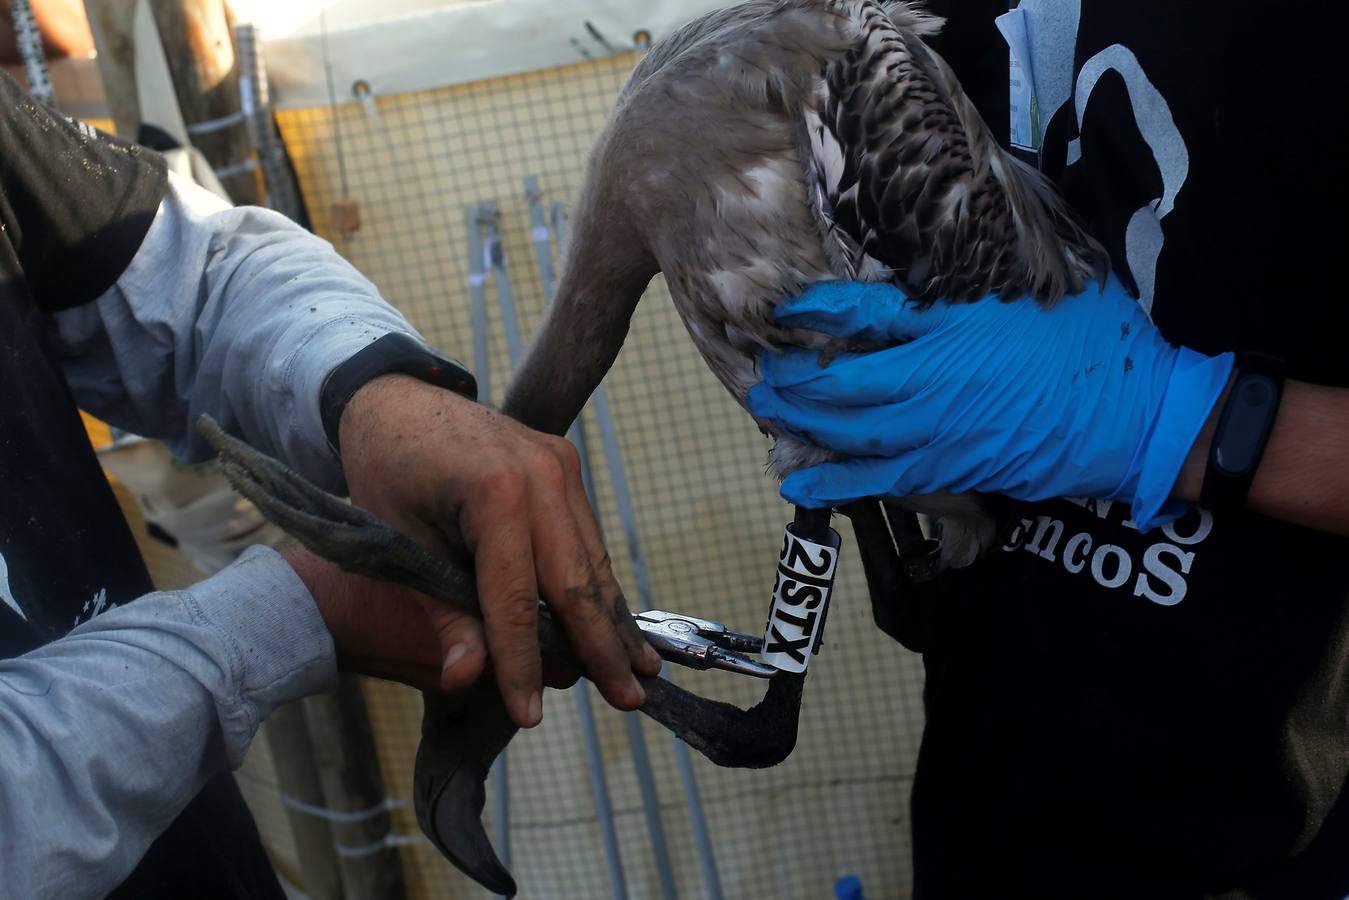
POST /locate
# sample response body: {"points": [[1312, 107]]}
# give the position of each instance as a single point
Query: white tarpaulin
{"points": [[418, 44]]}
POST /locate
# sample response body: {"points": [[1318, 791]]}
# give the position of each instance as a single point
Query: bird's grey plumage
{"points": [[783, 142], [760, 149]]}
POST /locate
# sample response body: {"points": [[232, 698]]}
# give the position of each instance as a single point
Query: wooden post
{"points": [[293, 758], [111, 22], [344, 751], [198, 38]]}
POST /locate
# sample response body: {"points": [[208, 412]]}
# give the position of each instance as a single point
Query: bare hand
{"points": [[451, 473], [389, 631]]}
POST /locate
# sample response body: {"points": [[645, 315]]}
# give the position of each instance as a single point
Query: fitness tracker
{"points": [[1243, 430], [394, 352]]}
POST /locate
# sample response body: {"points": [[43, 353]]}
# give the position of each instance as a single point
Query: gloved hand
{"points": [[1084, 398]]}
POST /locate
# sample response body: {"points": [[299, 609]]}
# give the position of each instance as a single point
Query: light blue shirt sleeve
{"points": [[233, 311], [107, 733]]}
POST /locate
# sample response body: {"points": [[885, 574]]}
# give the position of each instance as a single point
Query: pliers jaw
{"points": [[701, 643]]}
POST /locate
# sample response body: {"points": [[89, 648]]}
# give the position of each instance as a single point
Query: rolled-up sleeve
{"points": [[107, 733], [232, 311]]}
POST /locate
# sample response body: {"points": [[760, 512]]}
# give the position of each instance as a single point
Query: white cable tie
{"points": [[246, 107], [540, 233], [239, 168], [389, 840], [477, 279], [388, 804], [210, 126]]}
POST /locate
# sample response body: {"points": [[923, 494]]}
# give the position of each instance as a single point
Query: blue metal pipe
{"points": [[599, 785], [604, 417], [477, 279]]}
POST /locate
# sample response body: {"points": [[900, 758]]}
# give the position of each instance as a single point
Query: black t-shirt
{"points": [[73, 211], [1165, 714], [74, 208]]}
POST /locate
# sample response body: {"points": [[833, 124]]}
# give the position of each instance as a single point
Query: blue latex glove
{"points": [[1084, 399]]}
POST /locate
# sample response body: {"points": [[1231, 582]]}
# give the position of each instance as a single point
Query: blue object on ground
{"points": [[849, 887]]}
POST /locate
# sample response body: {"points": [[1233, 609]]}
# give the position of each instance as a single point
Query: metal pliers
{"points": [[702, 644]]}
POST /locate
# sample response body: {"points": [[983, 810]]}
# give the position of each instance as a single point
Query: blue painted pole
{"points": [[604, 417], [599, 785], [477, 280], [498, 777]]}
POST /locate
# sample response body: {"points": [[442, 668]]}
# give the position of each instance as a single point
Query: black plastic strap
{"points": [[395, 352], [1244, 427]]}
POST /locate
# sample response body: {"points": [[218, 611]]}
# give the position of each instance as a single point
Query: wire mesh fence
{"points": [[709, 518]]}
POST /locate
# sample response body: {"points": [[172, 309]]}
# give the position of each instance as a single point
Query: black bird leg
{"points": [[452, 762], [880, 563], [898, 581]]}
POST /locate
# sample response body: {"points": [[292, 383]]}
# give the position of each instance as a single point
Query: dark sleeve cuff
{"points": [[77, 202]]}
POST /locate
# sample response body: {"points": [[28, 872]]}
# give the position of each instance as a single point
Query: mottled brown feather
{"points": [[778, 143]]}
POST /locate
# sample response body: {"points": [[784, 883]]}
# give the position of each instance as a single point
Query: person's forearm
{"points": [[1304, 475], [107, 733], [234, 312]]}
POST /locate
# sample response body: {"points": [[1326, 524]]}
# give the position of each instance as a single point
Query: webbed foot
{"points": [[450, 775]]}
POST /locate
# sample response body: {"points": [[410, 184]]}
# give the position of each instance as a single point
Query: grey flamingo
{"points": [[757, 150]]}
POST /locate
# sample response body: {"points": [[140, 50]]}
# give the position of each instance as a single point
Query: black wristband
{"points": [[395, 352], [1243, 431]]}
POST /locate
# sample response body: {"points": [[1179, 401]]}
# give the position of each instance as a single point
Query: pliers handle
{"points": [[701, 643]]}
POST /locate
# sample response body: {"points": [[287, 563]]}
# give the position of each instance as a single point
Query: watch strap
{"points": [[1244, 427], [394, 352]]}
